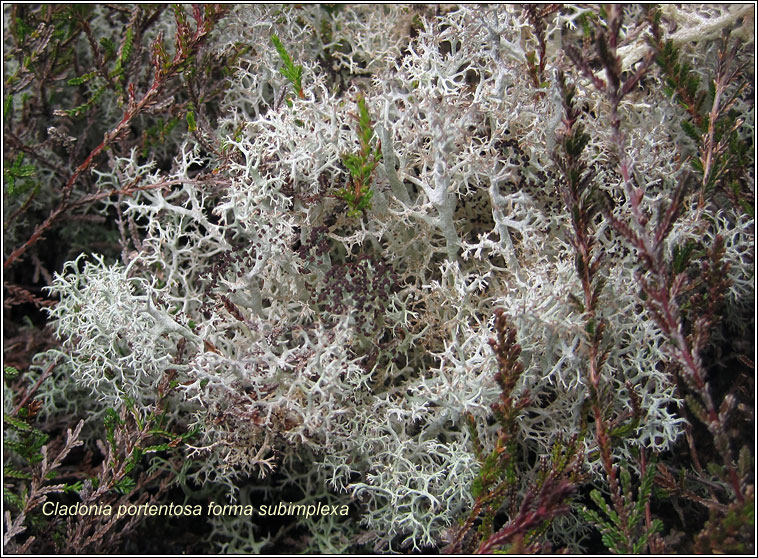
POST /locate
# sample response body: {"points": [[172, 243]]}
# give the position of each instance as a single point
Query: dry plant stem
{"points": [[550, 502], [79, 527], [540, 504], [455, 547], [20, 295], [661, 302], [161, 76], [695, 458], [64, 204], [35, 387], [668, 478], [724, 76]]}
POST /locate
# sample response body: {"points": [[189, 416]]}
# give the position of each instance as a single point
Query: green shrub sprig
{"points": [[362, 164]]}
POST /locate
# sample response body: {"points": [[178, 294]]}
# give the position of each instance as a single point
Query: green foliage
{"points": [[681, 79], [630, 536], [117, 76], [17, 170], [7, 105], [126, 50], [174, 439], [682, 256], [10, 497], [121, 428], [712, 124], [82, 79], [293, 73], [88, 105], [111, 421], [22, 443], [109, 47], [361, 165], [191, 123], [27, 440], [357, 199], [729, 532], [19, 425], [10, 472], [158, 133], [125, 485]]}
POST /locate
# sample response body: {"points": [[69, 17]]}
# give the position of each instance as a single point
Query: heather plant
{"points": [[293, 73], [662, 283], [82, 84], [32, 476], [712, 122], [361, 165], [622, 528], [317, 219], [496, 483], [40, 487], [134, 78]]}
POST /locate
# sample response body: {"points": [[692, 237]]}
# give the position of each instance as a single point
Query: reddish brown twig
{"points": [[31, 391], [188, 42]]}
